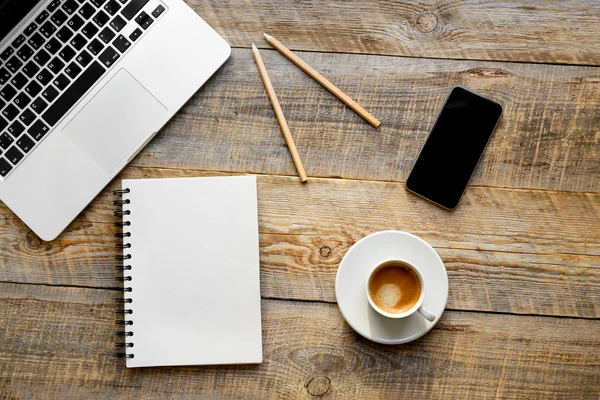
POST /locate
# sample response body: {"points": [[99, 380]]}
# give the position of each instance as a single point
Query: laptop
{"points": [[84, 86]]}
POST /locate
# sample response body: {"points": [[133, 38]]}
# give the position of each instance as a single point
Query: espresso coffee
{"points": [[394, 288]]}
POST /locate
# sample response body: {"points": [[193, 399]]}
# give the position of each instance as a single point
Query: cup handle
{"points": [[428, 315]]}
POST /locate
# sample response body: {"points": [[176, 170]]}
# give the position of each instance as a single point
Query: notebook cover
{"points": [[195, 271]]}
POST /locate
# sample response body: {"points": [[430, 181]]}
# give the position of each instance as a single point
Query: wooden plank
{"points": [[547, 138], [512, 30], [517, 251], [58, 342]]}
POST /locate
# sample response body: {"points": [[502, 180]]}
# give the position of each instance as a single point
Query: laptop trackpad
{"points": [[121, 116]]}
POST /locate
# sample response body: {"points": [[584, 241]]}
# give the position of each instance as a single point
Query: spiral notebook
{"points": [[190, 271]]}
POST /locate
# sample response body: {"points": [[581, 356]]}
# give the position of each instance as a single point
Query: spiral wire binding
{"points": [[123, 266]]}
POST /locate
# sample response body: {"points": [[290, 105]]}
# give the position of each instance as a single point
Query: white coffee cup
{"points": [[418, 306]]}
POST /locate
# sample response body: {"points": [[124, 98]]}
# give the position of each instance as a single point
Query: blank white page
{"points": [[195, 271]]}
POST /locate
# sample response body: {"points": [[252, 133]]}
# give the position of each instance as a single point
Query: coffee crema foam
{"points": [[394, 287]]}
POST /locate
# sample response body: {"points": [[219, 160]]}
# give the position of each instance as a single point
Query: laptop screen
{"points": [[12, 12]]}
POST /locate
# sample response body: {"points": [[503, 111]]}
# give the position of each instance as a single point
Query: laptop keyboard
{"points": [[55, 60]]}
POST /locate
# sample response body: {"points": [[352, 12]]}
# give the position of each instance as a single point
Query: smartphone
{"points": [[453, 148]]}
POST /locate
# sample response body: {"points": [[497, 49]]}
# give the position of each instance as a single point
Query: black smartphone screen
{"points": [[454, 147]]}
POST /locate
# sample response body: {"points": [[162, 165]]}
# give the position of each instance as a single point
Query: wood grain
{"points": [[58, 342], [541, 32], [548, 136], [515, 251]]}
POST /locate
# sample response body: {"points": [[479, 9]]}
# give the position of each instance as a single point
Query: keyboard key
{"points": [[112, 7], [109, 57], [2, 104], [36, 41], [25, 52], [45, 77], [78, 42], [30, 29], [95, 47], [56, 65], [135, 34], [54, 5], [157, 11], [10, 112], [87, 11], [25, 143], [13, 155], [27, 117], [90, 30], [50, 93], [8, 92], [22, 100], [118, 23], [31, 69], [70, 6], [84, 58], [144, 20], [106, 35], [14, 64], [64, 34], [98, 3], [5, 167], [38, 130], [47, 29], [59, 18], [74, 93], [18, 81], [4, 76], [39, 105], [61, 82], [3, 124], [53, 46], [121, 43], [18, 41], [133, 8], [75, 23], [67, 53], [42, 17], [101, 18], [15, 129], [73, 70], [33, 88], [7, 53], [42, 57], [5, 139]]}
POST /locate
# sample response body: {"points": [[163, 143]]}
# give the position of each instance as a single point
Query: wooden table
{"points": [[522, 251]]}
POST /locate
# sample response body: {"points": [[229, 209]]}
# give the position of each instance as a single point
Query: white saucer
{"points": [[354, 270]]}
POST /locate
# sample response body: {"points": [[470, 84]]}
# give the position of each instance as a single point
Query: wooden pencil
{"points": [[322, 80], [279, 113]]}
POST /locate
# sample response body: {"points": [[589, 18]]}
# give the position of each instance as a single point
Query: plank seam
{"points": [[263, 47]]}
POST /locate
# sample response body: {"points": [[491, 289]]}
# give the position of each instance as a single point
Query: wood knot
{"points": [[325, 251], [427, 22], [33, 240], [487, 73], [318, 386]]}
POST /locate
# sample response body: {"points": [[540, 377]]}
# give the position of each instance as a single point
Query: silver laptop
{"points": [[84, 86]]}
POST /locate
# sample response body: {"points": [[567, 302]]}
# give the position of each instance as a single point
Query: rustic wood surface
{"points": [[522, 250], [547, 138], [564, 32]]}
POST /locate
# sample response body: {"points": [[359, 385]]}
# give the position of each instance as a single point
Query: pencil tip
{"points": [[268, 37], [254, 47]]}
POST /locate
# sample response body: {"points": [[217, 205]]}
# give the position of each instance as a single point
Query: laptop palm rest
{"points": [[120, 117]]}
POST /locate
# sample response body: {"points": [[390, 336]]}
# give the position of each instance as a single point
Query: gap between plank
{"points": [[262, 47], [335, 177], [314, 301]]}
